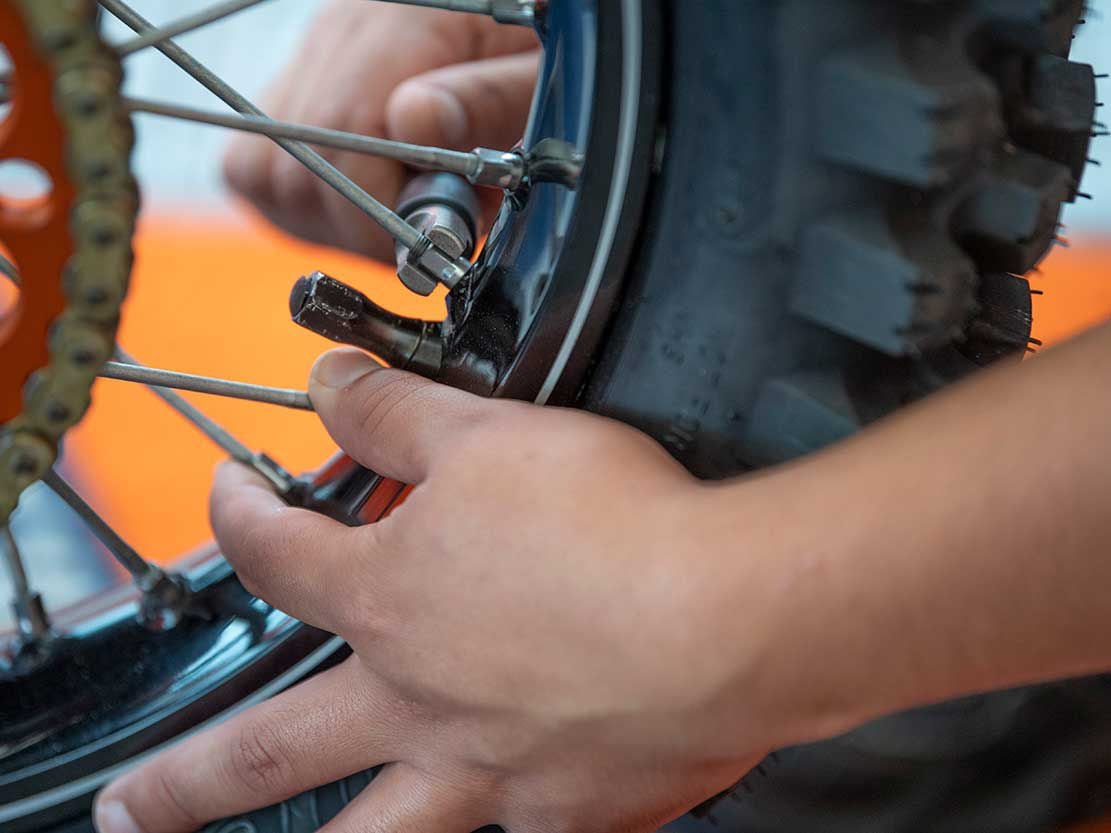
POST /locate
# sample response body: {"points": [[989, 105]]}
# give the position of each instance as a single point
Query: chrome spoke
{"points": [[482, 166], [144, 572], [519, 12], [211, 429], [183, 25], [155, 377], [8, 270], [282, 480], [13, 560], [166, 597], [30, 614], [446, 269]]}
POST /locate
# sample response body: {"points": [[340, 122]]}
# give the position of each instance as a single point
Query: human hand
{"points": [[560, 630], [400, 72], [543, 637]]}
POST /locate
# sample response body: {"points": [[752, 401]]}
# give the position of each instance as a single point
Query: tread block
{"points": [[1002, 328], [900, 288], [1059, 113], [1061, 20], [800, 413], [1030, 25], [914, 119], [1009, 222]]}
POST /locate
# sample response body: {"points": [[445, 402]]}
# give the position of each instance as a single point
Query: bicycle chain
{"points": [[102, 206]]}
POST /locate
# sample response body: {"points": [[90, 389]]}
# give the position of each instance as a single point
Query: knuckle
{"points": [[413, 100], [246, 167], [389, 396], [169, 795], [503, 422], [260, 761], [293, 185], [361, 608]]}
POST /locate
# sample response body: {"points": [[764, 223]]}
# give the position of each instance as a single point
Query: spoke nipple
{"points": [[497, 169], [517, 12], [33, 621], [25, 653], [167, 599], [553, 160]]}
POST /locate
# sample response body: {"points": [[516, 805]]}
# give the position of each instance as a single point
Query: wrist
{"points": [[799, 646]]}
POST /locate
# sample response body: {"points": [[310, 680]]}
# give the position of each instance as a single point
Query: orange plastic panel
{"points": [[36, 234]]}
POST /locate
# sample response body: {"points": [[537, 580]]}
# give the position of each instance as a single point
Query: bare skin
{"points": [[561, 630], [430, 77]]}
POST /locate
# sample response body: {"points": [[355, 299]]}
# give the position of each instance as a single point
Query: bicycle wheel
{"points": [[748, 228]]}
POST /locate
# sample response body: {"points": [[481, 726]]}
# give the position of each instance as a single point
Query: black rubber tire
{"points": [[847, 192], [849, 195], [845, 195]]}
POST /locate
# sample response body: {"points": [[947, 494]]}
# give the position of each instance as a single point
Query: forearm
{"points": [[959, 547]]}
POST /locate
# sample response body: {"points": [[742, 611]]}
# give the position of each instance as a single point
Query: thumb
{"points": [[388, 420], [476, 104]]}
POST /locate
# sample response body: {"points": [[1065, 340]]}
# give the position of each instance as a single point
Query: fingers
{"points": [[404, 800], [390, 421], [351, 61], [275, 183], [475, 104], [292, 558], [313, 734]]}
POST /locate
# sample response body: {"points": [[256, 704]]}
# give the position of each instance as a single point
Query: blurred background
{"points": [[146, 469], [138, 463]]}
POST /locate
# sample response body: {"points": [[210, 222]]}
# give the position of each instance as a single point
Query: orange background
{"points": [[211, 298]]}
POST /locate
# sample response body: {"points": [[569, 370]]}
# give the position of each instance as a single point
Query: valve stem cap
{"points": [[343, 314]]}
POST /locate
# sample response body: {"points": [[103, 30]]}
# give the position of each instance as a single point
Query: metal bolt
{"points": [[444, 208]]}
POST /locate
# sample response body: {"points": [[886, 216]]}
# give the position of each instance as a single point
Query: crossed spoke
{"points": [[520, 12], [183, 25], [482, 166], [30, 614], [440, 265]]}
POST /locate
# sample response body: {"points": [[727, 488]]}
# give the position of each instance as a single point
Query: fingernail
{"points": [[113, 817], [452, 116], [340, 368]]}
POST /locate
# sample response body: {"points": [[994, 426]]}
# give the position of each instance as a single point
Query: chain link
{"points": [[99, 139]]}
